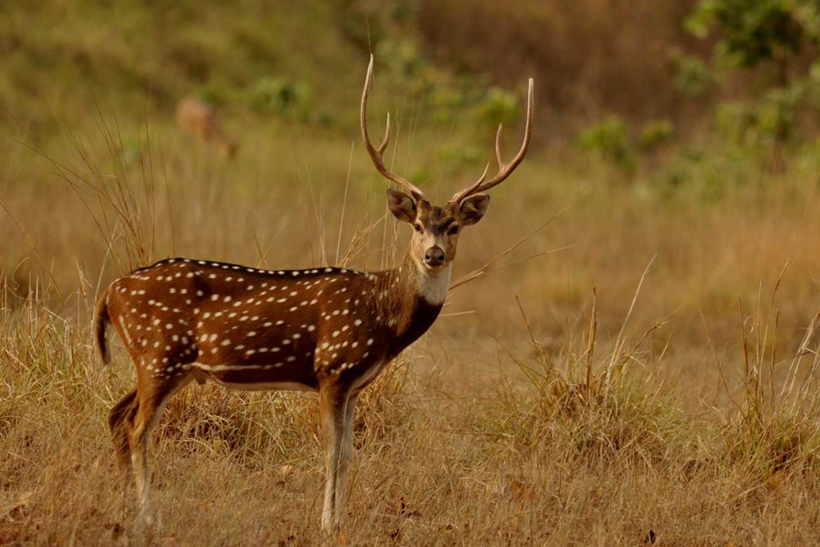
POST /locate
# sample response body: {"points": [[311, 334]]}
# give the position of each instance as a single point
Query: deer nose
{"points": [[434, 256]]}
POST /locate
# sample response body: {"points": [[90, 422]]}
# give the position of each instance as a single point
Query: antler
{"points": [[376, 154], [504, 169]]}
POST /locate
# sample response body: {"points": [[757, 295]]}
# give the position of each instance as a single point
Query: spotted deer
{"points": [[201, 121], [328, 330]]}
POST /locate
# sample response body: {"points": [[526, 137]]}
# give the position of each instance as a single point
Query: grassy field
{"points": [[640, 369]]}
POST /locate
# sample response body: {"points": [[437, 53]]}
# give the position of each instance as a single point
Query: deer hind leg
{"points": [[116, 423], [333, 403], [151, 398]]}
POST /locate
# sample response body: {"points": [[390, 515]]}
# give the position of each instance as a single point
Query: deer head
{"points": [[436, 229]]}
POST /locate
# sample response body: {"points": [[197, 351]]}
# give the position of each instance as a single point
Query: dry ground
{"points": [[488, 431]]}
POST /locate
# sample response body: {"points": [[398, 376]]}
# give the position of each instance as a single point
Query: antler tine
{"points": [[498, 147], [376, 154], [458, 196], [483, 175], [383, 145], [504, 170]]}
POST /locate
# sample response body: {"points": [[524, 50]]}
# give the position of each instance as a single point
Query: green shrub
{"points": [[610, 140], [459, 154], [281, 96], [738, 121], [498, 106], [692, 75], [655, 133], [778, 112], [771, 119]]}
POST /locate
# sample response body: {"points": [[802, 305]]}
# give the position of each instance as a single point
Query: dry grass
{"points": [[559, 418], [447, 454]]}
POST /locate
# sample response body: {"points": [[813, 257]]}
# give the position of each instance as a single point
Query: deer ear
{"points": [[401, 205], [473, 208]]}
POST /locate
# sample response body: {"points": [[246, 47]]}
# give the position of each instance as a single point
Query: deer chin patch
{"points": [[433, 284]]}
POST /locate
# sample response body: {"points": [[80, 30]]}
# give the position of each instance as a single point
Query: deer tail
{"points": [[101, 321]]}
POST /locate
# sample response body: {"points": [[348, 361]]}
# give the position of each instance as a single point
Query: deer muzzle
{"points": [[434, 257]]}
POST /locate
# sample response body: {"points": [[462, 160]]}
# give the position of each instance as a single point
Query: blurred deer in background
{"points": [[201, 121]]}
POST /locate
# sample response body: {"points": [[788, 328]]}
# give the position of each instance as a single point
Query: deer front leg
{"points": [[333, 406]]}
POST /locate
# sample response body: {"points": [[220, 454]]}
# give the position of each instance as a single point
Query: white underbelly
{"points": [[369, 375], [263, 386], [216, 374]]}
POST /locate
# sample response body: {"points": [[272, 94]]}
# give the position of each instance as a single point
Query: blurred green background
{"points": [[645, 87]]}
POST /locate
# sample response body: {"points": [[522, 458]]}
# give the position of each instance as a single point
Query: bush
{"points": [[281, 96], [655, 133], [498, 106], [610, 140], [692, 75]]}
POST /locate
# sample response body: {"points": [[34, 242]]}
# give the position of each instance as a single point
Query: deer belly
{"points": [[370, 374], [257, 377]]}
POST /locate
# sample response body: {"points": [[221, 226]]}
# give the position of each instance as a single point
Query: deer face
{"points": [[435, 229]]}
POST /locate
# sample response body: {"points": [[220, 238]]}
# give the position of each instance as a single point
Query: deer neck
{"points": [[413, 299], [420, 283]]}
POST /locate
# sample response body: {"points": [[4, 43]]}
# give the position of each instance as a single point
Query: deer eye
{"points": [[453, 230], [417, 227]]}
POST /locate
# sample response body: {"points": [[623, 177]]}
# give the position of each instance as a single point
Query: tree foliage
{"points": [[755, 31], [777, 42]]}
